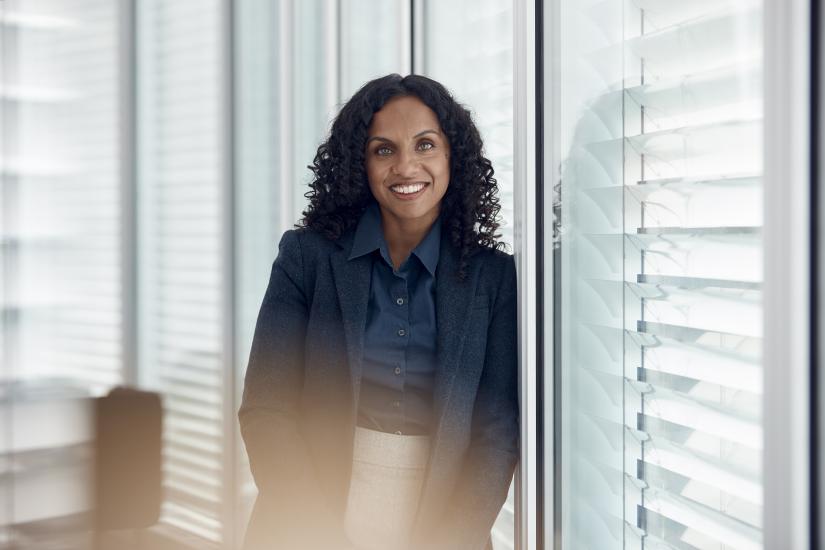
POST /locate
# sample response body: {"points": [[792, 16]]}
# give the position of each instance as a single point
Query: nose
{"points": [[406, 165]]}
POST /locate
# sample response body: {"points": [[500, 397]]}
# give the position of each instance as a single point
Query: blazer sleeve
{"points": [[494, 444], [268, 415]]}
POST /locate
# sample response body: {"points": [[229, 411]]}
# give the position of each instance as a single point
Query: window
{"points": [[659, 278], [183, 351], [61, 295], [60, 192]]}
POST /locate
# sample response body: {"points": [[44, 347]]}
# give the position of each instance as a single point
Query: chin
{"points": [[413, 213]]}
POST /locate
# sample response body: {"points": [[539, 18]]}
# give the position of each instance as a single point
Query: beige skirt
{"points": [[387, 476]]}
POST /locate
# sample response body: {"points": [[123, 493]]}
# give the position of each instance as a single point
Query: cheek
{"points": [[444, 170], [374, 177]]}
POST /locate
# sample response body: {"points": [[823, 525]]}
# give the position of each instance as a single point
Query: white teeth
{"points": [[408, 189]]}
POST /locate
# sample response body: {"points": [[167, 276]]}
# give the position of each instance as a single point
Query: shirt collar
{"points": [[369, 236]]}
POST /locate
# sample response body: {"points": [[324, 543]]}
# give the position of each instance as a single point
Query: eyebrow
{"points": [[416, 136]]}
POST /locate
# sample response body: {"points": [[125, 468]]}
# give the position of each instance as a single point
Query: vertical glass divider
{"points": [[550, 132], [128, 188], [524, 139], [229, 280], [818, 205]]}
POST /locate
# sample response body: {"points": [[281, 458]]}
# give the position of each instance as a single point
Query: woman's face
{"points": [[407, 160]]}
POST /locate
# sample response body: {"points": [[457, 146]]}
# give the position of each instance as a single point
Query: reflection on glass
{"points": [[660, 274]]}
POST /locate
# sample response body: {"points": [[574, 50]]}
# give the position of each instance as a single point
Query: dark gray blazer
{"points": [[301, 393]]}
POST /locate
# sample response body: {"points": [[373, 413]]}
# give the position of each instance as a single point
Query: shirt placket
{"points": [[400, 297]]}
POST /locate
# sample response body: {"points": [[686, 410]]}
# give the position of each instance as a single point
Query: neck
{"points": [[403, 235]]}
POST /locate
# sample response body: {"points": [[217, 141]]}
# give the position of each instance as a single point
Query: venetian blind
{"points": [[60, 273], [663, 278], [181, 317], [60, 191]]}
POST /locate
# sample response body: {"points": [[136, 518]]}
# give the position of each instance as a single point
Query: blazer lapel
{"points": [[352, 281], [454, 298]]}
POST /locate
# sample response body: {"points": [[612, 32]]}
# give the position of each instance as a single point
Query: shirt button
{"points": [[401, 332], [399, 301], [397, 370], [398, 432]]}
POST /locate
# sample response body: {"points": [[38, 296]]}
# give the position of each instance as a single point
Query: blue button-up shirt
{"points": [[400, 339]]}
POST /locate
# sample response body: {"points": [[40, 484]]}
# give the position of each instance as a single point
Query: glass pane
{"points": [[180, 274], [60, 259], [658, 274], [374, 41], [297, 63], [60, 192], [479, 71]]}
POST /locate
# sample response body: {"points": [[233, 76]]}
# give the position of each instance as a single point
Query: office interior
{"points": [[658, 168]]}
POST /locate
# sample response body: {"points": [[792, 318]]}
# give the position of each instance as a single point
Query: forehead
{"points": [[401, 116]]}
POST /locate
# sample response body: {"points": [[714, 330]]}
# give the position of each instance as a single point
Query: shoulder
{"points": [[495, 265], [308, 250], [304, 255], [496, 274], [306, 242]]}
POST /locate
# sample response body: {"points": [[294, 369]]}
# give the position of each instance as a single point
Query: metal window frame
{"points": [[787, 270], [817, 204], [127, 28], [418, 44], [525, 128], [229, 292], [550, 50]]}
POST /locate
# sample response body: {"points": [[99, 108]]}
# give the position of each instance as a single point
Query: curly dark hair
{"points": [[339, 192]]}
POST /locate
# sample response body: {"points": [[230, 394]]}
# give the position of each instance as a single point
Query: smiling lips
{"points": [[408, 190]]}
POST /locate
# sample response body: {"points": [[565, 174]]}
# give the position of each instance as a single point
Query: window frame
{"points": [[787, 288], [527, 227]]}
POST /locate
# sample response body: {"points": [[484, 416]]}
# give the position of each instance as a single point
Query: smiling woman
{"points": [[380, 405]]}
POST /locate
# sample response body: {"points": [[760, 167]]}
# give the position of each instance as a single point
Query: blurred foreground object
{"points": [[76, 469], [128, 469]]}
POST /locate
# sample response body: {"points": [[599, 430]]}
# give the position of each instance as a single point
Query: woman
{"points": [[380, 404]]}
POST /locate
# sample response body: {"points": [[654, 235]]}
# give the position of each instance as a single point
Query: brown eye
{"points": [[383, 150], [426, 146]]}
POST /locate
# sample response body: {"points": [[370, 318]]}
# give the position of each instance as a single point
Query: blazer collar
{"points": [[369, 236]]}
